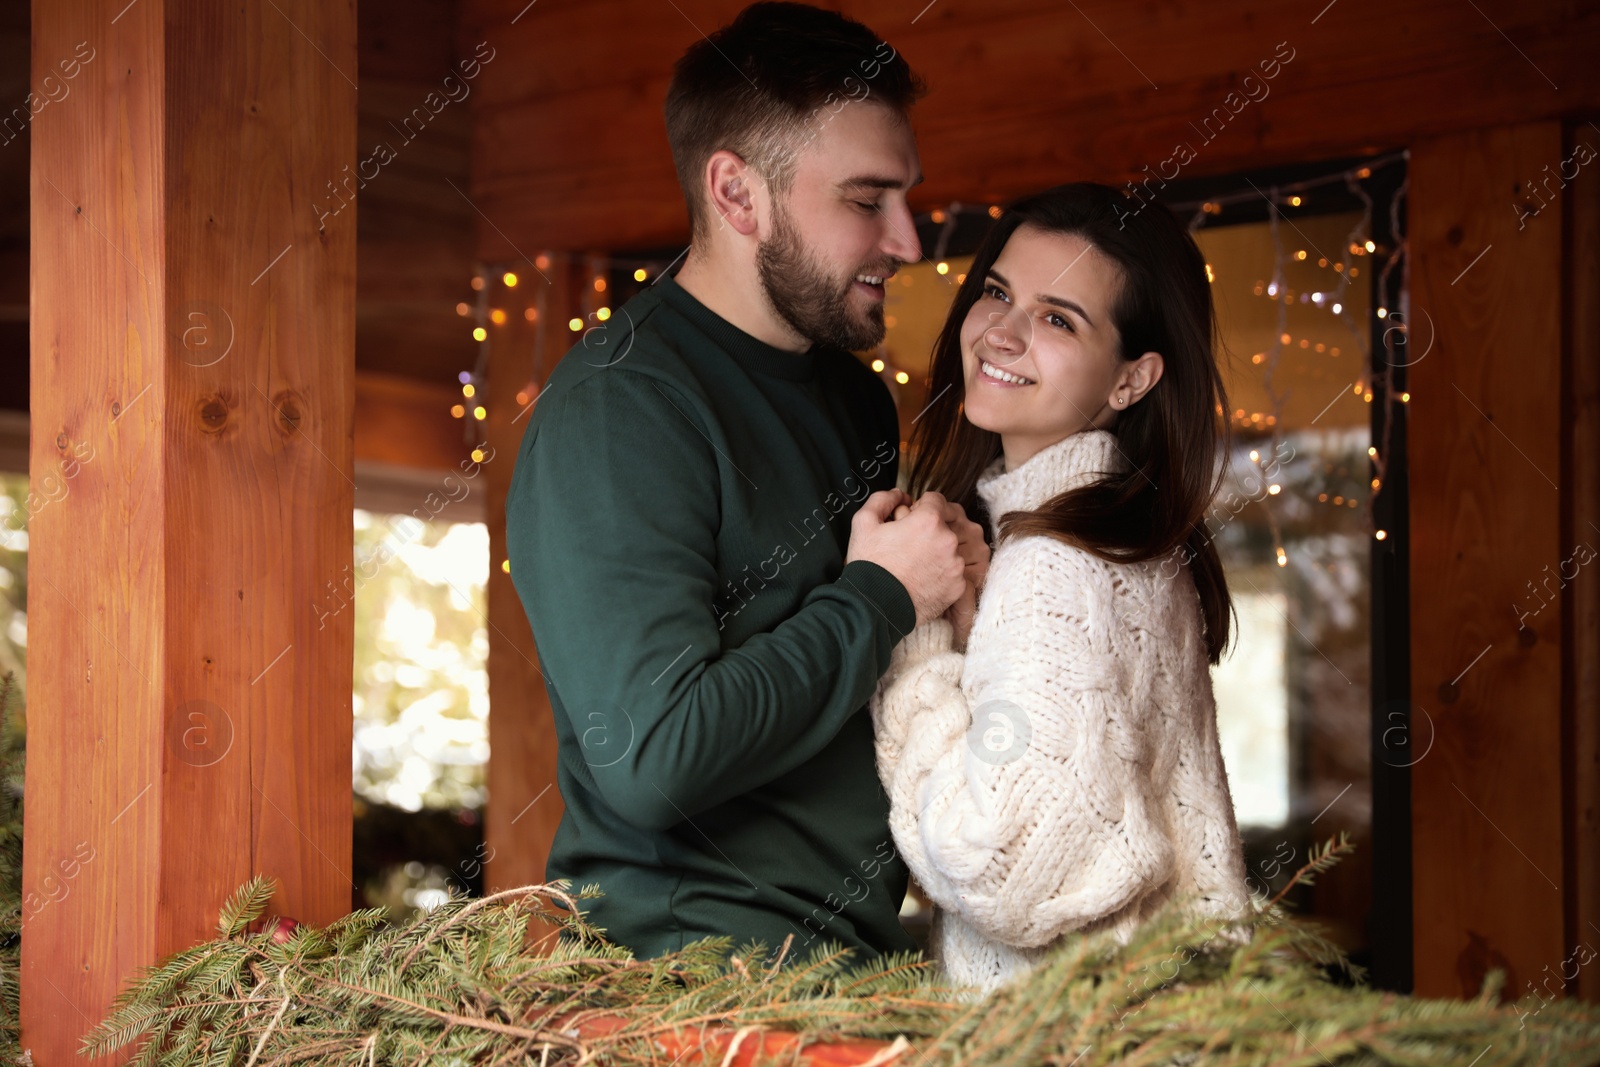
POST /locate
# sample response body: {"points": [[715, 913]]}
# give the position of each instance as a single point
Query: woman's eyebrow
{"points": [[1046, 298]]}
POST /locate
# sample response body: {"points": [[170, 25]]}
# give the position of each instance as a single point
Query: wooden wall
{"points": [[570, 150], [1486, 518]]}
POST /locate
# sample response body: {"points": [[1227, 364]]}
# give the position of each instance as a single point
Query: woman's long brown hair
{"points": [[1174, 436]]}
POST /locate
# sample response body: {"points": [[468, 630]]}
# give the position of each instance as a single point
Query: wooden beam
{"points": [[1581, 394], [524, 801], [192, 387], [407, 423], [1487, 486], [1023, 94]]}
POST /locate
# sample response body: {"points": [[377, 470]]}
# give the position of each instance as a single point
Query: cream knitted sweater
{"points": [[1064, 774]]}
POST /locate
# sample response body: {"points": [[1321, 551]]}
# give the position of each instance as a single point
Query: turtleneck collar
{"points": [[1075, 460]]}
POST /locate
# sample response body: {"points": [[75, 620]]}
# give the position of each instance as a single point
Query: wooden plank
{"points": [[1485, 467], [1582, 389], [524, 801], [192, 350], [407, 423], [1023, 95]]}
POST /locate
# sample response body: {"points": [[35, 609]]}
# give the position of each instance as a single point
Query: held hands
{"points": [[975, 554], [930, 545]]}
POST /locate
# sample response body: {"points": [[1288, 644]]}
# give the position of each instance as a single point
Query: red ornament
{"points": [[281, 929]]}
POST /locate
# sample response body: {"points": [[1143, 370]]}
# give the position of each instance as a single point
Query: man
{"points": [[680, 511]]}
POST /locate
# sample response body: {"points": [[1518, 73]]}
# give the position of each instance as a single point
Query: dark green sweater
{"points": [[677, 526]]}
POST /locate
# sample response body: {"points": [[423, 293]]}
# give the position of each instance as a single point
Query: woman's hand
{"points": [[961, 614], [975, 552]]}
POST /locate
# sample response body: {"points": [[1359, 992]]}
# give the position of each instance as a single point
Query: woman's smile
{"points": [[998, 376]]}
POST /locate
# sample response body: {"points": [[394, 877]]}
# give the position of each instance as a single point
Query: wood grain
{"points": [[1581, 415], [524, 801], [569, 146], [193, 333], [1486, 498]]}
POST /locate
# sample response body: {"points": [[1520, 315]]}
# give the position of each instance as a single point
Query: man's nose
{"points": [[901, 240]]}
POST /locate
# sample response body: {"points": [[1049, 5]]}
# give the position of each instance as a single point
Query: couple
{"points": [[778, 679]]}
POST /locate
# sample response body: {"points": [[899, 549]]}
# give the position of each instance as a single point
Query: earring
{"points": [[1122, 400]]}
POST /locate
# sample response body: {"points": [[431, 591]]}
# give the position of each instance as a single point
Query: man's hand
{"points": [[921, 549], [975, 554]]}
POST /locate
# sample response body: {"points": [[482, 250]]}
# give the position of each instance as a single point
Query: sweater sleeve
{"points": [[612, 538], [1020, 790]]}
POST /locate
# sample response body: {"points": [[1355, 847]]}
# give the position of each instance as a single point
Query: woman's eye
{"points": [[994, 291], [1058, 320]]}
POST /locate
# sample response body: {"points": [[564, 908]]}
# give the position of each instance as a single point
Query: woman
{"points": [[1058, 770]]}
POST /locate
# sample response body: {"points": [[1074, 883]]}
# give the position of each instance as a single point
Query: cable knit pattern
{"points": [[1064, 775]]}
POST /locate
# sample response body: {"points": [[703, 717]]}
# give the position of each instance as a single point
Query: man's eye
{"points": [[865, 205]]}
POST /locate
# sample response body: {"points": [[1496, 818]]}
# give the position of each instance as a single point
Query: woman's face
{"points": [[1039, 353]]}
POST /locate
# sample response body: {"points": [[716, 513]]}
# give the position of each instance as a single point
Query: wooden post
{"points": [[524, 806], [192, 348], [1487, 480], [1581, 392]]}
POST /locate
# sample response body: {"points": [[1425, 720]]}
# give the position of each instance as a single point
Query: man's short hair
{"points": [[763, 87]]}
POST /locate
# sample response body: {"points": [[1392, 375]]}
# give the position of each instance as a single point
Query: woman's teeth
{"points": [[992, 371]]}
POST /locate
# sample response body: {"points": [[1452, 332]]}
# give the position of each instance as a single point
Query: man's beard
{"points": [[816, 306]]}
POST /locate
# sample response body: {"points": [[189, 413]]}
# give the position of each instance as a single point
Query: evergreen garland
{"points": [[464, 984], [10, 872]]}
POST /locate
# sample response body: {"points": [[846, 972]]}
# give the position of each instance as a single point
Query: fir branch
{"points": [[1185, 989]]}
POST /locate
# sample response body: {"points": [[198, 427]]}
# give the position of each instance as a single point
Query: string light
{"points": [[1328, 297]]}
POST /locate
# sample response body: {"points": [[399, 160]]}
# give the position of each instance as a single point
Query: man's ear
{"points": [[728, 191]]}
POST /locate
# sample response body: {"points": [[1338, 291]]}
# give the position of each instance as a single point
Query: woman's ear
{"points": [[1138, 378], [728, 191]]}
